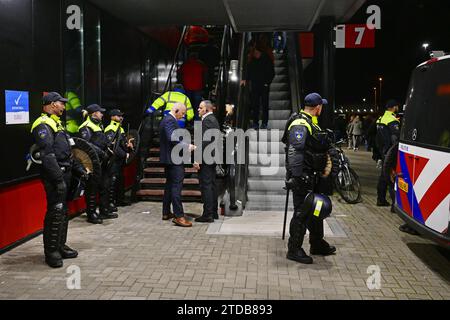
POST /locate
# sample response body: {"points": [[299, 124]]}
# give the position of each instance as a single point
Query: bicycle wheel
{"points": [[348, 185]]}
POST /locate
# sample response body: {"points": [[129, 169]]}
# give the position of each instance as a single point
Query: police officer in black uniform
{"points": [[117, 137], [56, 171], [307, 161], [388, 134], [91, 130]]}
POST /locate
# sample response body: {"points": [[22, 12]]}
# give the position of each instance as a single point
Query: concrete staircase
{"points": [[267, 156]]}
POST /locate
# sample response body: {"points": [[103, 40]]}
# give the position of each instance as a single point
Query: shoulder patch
{"points": [[298, 135], [42, 133]]}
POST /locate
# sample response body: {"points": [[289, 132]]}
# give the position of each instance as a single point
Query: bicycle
{"points": [[345, 179]]}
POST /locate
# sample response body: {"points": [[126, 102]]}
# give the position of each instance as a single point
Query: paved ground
{"points": [[139, 256]]}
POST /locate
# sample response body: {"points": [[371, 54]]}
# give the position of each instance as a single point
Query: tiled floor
{"points": [[139, 256]]}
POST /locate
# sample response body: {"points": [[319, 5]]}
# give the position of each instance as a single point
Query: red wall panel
{"points": [[23, 207]]}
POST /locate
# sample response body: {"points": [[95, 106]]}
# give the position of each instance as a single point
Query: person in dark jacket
{"points": [[259, 72], [56, 170], [174, 171], [91, 130], [388, 134], [121, 148], [208, 168]]}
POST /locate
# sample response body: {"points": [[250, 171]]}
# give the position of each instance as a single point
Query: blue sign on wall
{"points": [[17, 107]]}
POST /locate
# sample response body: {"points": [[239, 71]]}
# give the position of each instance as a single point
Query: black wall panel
{"points": [[38, 54], [31, 61]]}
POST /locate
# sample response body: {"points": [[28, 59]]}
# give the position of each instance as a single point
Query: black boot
{"points": [[322, 247], [297, 230], [66, 251], [204, 218], [52, 236], [112, 195], [299, 255], [106, 214], [90, 210]]}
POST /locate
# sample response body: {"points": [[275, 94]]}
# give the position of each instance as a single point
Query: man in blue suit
{"points": [[174, 172]]}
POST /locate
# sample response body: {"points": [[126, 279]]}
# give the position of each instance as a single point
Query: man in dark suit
{"points": [[208, 167], [174, 172]]}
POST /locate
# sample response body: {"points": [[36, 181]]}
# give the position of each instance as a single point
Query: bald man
{"points": [[174, 172]]}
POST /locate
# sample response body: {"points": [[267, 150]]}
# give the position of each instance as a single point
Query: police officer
{"points": [[168, 99], [57, 164], [388, 134], [307, 161], [91, 130], [121, 147]]}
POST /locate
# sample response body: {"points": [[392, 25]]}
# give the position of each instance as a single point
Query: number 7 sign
{"points": [[354, 36]]}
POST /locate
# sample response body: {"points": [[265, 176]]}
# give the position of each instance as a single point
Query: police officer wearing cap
{"points": [[307, 161], [91, 130], [56, 170], [388, 134], [121, 148]]}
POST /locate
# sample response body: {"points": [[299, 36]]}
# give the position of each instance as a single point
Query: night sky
{"points": [[406, 25]]}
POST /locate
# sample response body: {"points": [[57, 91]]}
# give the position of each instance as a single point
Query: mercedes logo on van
{"points": [[414, 134]]}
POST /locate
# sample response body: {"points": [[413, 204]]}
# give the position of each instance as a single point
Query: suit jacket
{"points": [[167, 126], [209, 122]]}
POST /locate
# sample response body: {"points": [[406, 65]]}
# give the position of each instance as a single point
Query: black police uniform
{"points": [[388, 134], [117, 137], [56, 173], [92, 131], [307, 146]]}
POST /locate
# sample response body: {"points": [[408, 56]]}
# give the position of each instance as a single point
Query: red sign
{"points": [[355, 36]]}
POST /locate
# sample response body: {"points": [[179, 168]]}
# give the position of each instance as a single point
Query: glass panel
{"points": [[73, 47]]}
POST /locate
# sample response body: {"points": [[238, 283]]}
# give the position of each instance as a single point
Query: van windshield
{"points": [[427, 111]]}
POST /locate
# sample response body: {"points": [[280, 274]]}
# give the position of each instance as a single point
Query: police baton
{"points": [[286, 187]]}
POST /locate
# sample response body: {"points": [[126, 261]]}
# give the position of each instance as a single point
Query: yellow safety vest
{"points": [[387, 118], [91, 125], [52, 121], [113, 126], [169, 98], [303, 122], [73, 104]]}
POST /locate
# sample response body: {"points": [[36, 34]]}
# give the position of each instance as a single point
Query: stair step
{"points": [[280, 63], [279, 87], [279, 95], [161, 170], [276, 160], [280, 105], [280, 78], [264, 147], [283, 70], [265, 185], [279, 114], [255, 171], [191, 181], [279, 56], [160, 193], [266, 135], [277, 124]]}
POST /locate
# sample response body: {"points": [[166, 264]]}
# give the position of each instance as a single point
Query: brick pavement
{"points": [[139, 256]]}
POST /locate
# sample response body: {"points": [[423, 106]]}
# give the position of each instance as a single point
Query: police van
{"points": [[422, 184]]}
